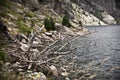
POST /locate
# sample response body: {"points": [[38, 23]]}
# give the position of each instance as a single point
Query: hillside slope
{"points": [[33, 49], [59, 8]]}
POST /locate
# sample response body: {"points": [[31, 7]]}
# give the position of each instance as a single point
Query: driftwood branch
{"points": [[37, 62], [44, 50], [34, 35], [64, 53], [30, 42]]}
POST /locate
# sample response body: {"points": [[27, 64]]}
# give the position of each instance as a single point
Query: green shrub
{"points": [[7, 74], [5, 3], [65, 21], [3, 55], [30, 14], [52, 24], [49, 24], [3, 42], [2, 14], [24, 28], [80, 23]]}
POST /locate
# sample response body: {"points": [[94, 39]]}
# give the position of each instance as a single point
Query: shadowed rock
{"points": [[4, 31]]}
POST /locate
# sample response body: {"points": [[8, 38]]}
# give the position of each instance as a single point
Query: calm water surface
{"points": [[99, 52]]}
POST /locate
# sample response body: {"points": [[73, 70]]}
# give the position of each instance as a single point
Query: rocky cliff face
{"points": [[94, 7], [59, 8], [77, 9], [97, 7]]}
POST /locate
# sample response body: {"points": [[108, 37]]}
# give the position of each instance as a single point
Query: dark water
{"points": [[99, 53]]}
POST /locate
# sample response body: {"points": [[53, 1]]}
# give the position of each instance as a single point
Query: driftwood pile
{"points": [[31, 55]]}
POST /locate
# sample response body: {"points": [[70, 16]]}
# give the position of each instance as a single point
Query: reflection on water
{"points": [[99, 52]]}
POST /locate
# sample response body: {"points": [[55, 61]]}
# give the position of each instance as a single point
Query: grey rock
{"points": [[19, 11], [20, 70], [37, 76], [24, 41], [48, 33], [67, 78], [108, 18], [21, 36], [12, 16], [35, 43], [24, 47], [16, 64]]}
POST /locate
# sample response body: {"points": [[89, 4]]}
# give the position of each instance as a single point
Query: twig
{"points": [[63, 46], [37, 62], [64, 53], [43, 51], [31, 39], [30, 42]]}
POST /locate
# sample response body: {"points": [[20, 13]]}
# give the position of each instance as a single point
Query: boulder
{"points": [[108, 18], [69, 31], [45, 36], [24, 47], [33, 4], [36, 76], [54, 70], [24, 41], [19, 10], [48, 33], [59, 27], [21, 36], [76, 25], [35, 43]]}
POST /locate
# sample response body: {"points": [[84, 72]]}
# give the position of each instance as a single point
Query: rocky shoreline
{"points": [[42, 57], [40, 54]]}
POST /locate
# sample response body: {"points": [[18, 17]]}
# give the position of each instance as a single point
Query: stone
{"points": [[16, 64], [20, 70], [64, 73], [59, 27], [12, 16], [35, 43], [67, 78], [24, 41], [35, 50], [54, 37], [92, 77], [7, 63], [108, 18], [27, 18], [75, 79], [37, 76], [101, 23], [12, 24], [35, 53], [21, 73], [87, 75], [82, 78], [48, 33], [45, 37], [76, 25], [19, 10], [82, 71], [21, 36], [24, 47], [69, 31], [54, 70], [28, 71], [37, 39], [42, 17]]}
